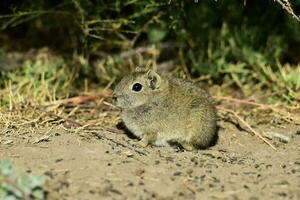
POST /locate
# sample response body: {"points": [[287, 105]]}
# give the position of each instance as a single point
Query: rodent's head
{"points": [[138, 88]]}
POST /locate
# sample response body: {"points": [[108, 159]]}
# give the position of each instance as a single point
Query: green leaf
{"points": [[6, 167], [36, 181], [9, 197], [2, 193], [38, 194], [11, 190], [156, 35]]}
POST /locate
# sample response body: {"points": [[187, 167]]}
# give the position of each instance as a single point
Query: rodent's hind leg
{"points": [[147, 139]]}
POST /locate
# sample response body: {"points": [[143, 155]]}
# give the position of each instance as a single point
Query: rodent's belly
{"points": [[161, 142], [168, 128]]}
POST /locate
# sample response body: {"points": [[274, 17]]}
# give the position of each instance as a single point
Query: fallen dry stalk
{"points": [[226, 110], [189, 187], [130, 147], [287, 6], [282, 113], [93, 129], [80, 99]]}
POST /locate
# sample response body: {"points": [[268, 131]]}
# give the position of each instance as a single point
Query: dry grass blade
{"points": [[226, 110]]}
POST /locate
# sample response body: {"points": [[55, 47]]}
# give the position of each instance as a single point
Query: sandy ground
{"points": [[105, 165]]}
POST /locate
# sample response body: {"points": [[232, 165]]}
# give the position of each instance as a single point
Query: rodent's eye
{"points": [[137, 87]]}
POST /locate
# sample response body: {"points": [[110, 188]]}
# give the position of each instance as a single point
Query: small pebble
{"points": [[58, 160], [169, 159], [189, 171], [177, 173]]}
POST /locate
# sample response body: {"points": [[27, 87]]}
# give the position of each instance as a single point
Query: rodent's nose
{"points": [[114, 98]]}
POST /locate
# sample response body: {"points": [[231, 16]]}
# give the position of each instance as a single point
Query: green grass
{"points": [[249, 47], [39, 79]]}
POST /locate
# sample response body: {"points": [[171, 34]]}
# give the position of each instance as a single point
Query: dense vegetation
{"points": [[237, 43]]}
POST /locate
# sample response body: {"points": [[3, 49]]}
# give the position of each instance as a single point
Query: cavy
{"points": [[164, 110]]}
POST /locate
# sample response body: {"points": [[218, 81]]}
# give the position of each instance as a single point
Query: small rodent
{"points": [[164, 110]]}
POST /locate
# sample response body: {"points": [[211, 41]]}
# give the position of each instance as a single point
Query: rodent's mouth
{"points": [[120, 106], [118, 103]]}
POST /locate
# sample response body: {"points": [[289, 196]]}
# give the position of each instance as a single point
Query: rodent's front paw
{"points": [[147, 139], [142, 143], [188, 147]]}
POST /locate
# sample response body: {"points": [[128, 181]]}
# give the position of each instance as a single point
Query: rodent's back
{"points": [[196, 111], [184, 110], [189, 88]]}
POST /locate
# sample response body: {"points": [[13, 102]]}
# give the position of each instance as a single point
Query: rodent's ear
{"points": [[153, 79]]}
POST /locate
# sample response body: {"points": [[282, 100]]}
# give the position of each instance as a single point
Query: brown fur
{"points": [[166, 110]]}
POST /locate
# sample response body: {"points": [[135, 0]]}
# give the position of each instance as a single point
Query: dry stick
{"points": [[190, 188], [246, 124], [52, 114], [106, 128], [263, 106], [119, 143], [183, 64], [80, 99], [242, 101], [79, 125], [108, 96], [91, 128], [287, 6]]}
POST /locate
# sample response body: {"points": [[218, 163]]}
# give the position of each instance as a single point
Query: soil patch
{"points": [[85, 165]]}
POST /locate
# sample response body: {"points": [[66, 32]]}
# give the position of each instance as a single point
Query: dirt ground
{"points": [[101, 164]]}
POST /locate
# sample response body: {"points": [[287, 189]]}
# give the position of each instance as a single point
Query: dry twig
{"points": [[283, 114], [80, 99], [287, 6], [93, 129], [189, 187], [100, 136], [226, 110]]}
